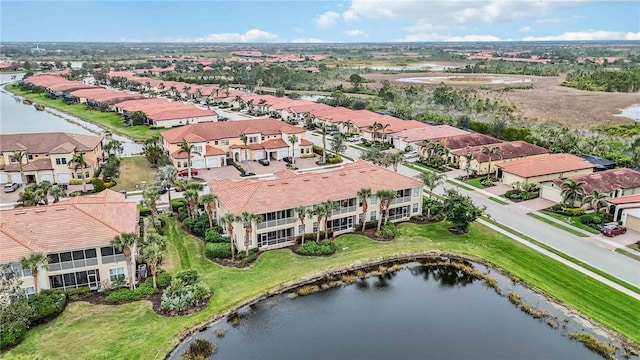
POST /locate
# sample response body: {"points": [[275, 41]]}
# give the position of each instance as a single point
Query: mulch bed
{"points": [[433, 220], [371, 234], [229, 263]]}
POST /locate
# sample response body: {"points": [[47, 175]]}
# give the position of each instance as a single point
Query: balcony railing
{"points": [[74, 264], [278, 222], [401, 200], [107, 259], [343, 210], [277, 241]]}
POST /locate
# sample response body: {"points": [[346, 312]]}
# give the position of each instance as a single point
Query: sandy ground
{"points": [[546, 101]]}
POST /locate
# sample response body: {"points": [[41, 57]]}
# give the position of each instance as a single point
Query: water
{"points": [[313, 98], [632, 112], [18, 118], [420, 66], [415, 313], [461, 79]]}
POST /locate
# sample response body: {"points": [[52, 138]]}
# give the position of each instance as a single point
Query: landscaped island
{"points": [[135, 331]]}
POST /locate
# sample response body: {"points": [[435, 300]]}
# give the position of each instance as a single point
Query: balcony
{"points": [[73, 264], [401, 200], [278, 222], [343, 210]]}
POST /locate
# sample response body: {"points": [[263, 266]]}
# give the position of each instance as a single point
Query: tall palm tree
{"points": [[468, 168], [150, 197], [189, 148], [384, 200], [165, 179], [364, 194], [18, 155], [245, 139], [191, 195], [45, 186], [126, 242], [302, 212], [491, 152], [572, 191], [78, 160], [431, 180], [394, 159], [248, 219], [33, 262], [293, 139], [377, 127], [227, 220], [57, 192], [209, 202], [324, 142], [596, 200], [329, 205], [321, 212], [113, 146], [186, 89], [153, 255]]}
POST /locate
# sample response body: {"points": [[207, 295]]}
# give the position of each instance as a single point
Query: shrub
{"points": [[47, 304], [110, 184], [486, 182], [79, 293], [176, 204], [98, 184], [199, 349], [144, 212], [311, 248], [337, 159], [313, 235], [197, 225], [187, 277], [572, 211], [388, 231], [12, 334], [75, 182], [218, 250], [121, 296], [591, 219], [163, 280], [213, 235], [181, 297]]}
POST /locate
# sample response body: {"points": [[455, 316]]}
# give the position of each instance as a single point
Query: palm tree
{"points": [[57, 192], [384, 200], [17, 156], [375, 128], [115, 146], [293, 139], [321, 212], [191, 195], [245, 139], [165, 179], [364, 194], [126, 242], [248, 219], [227, 220], [189, 148], [572, 191], [394, 159], [431, 180], [209, 202], [186, 89], [78, 160], [150, 197], [329, 205], [26, 197], [33, 262], [596, 200], [468, 168], [324, 142], [302, 212], [490, 152], [153, 255], [45, 186]]}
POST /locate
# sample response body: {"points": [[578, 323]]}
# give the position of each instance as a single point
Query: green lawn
{"points": [[108, 120], [568, 228], [475, 182], [571, 220], [499, 201], [133, 171], [134, 331]]}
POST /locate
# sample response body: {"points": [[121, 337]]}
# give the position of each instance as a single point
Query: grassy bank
{"points": [[567, 228], [134, 331], [572, 220], [107, 120], [133, 171]]}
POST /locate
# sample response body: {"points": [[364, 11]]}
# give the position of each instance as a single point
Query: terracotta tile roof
{"points": [[510, 150], [63, 148], [607, 180], [303, 108], [106, 95], [179, 154], [192, 112], [75, 224], [628, 199], [465, 140], [46, 142], [260, 196], [428, 132], [545, 165], [211, 151], [32, 165], [230, 129], [275, 144], [305, 142]]}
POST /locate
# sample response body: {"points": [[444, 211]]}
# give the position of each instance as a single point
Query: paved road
{"points": [[514, 216]]}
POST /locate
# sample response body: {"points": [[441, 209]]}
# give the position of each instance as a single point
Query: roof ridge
{"points": [[94, 217]]}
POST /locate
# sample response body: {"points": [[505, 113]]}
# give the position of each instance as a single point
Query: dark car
{"points": [[264, 162], [288, 159], [612, 230]]}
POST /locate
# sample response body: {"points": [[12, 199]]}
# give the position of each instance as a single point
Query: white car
{"points": [[411, 155], [354, 138], [11, 187]]}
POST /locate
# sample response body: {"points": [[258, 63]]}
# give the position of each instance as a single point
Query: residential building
{"points": [[626, 210], [267, 138], [276, 200], [456, 142], [615, 183], [75, 235], [48, 157], [414, 136], [508, 151], [541, 168], [165, 113], [600, 163]]}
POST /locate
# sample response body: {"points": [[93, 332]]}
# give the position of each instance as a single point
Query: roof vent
{"points": [[342, 174], [306, 179], [271, 184], [60, 209], [285, 182], [41, 210], [20, 213], [325, 176]]}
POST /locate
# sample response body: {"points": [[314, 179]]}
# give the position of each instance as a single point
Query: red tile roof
{"points": [[628, 199], [607, 180], [545, 165], [180, 114], [465, 140], [260, 196], [211, 151], [231, 129], [274, 144], [81, 222], [39, 143], [509, 150], [428, 132]]}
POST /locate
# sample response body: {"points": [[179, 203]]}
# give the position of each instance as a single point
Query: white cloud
{"points": [[125, 40], [307, 41], [420, 37], [350, 15], [525, 29], [253, 35], [327, 20], [587, 35], [355, 33]]}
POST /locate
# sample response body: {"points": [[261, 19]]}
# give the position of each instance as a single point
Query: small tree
{"points": [[200, 349], [227, 220], [329, 205], [14, 309], [165, 179], [78, 160], [209, 202], [57, 192], [460, 211], [248, 219], [385, 197], [364, 194], [320, 211], [150, 197], [33, 262], [126, 242], [394, 159], [111, 168], [18, 156], [302, 212], [153, 255], [337, 144], [572, 191], [355, 80]]}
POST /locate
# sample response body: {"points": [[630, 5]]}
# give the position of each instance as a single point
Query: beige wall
{"points": [[508, 178]]}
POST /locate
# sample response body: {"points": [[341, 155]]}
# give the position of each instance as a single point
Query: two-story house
{"points": [[275, 200], [266, 138], [47, 156]]}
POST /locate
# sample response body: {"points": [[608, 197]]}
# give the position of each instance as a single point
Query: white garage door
{"points": [[258, 155], [4, 178], [212, 162], [47, 177], [633, 223], [63, 178], [16, 178], [282, 154], [198, 164]]}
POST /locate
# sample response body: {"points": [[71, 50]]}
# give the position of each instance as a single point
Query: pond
{"points": [[416, 312], [632, 112], [18, 118]]}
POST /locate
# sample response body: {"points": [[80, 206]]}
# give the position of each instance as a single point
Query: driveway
{"points": [[230, 172]]}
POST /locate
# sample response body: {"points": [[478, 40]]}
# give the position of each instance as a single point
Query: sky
{"points": [[299, 21]]}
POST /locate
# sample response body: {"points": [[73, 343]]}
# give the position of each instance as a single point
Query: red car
{"points": [[613, 230], [185, 172]]}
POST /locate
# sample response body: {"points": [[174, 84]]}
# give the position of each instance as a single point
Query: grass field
{"points": [[108, 120], [134, 331], [572, 220], [133, 171], [567, 228], [475, 182]]}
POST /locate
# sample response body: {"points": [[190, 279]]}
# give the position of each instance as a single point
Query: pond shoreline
{"points": [[587, 322]]}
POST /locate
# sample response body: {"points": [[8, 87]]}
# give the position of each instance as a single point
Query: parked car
{"points": [[264, 162], [333, 132], [11, 187], [411, 155], [354, 138], [612, 230], [288, 159], [185, 172]]}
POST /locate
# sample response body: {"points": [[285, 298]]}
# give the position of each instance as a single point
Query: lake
{"points": [[18, 118], [415, 313], [632, 112]]}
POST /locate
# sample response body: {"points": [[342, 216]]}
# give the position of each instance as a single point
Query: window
{"points": [[86, 175], [360, 218], [416, 192], [315, 226], [16, 270], [373, 215], [116, 274], [374, 200], [30, 157], [215, 142], [225, 142], [300, 229], [414, 208], [30, 291], [178, 164]]}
